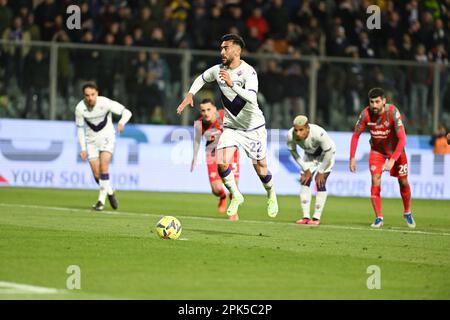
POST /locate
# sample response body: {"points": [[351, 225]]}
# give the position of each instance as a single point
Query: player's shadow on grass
{"points": [[212, 232]]}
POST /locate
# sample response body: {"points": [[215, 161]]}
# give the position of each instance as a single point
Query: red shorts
{"points": [[213, 172], [377, 160]]}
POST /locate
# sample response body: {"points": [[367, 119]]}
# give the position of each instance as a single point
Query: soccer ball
{"points": [[168, 228]]}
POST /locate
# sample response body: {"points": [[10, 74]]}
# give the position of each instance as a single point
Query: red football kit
{"points": [[387, 140]]}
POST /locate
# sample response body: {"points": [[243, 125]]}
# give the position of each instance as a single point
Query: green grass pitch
{"points": [[44, 231]]}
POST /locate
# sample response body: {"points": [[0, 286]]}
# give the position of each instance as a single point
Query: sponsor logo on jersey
{"points": [[382, 133]]}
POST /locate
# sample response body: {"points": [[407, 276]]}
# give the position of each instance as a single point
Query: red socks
{"points": [[406, 197], [376, 200]]}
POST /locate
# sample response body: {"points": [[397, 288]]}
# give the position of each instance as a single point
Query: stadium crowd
{"points": [[411, 30]]}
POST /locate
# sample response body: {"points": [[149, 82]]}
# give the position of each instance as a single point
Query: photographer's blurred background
{"points": [[316, 57]]}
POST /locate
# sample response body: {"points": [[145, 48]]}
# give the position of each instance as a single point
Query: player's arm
{"points": [[327, 147], [292, 146], [120, 110], [401, 135], [79, 120], [199, 82], [359, 128], [250, 92], [197, 141]]}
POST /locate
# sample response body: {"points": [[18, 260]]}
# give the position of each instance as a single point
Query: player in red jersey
{"points": [[210, 125], [388, 140]]}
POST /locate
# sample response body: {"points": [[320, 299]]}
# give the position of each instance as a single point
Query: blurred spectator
{"points": [[236, 20], [32, 28], [272, 88], [86, 61], [354, 83], [394, 28], [427, 29], [156, 6], [294, 34], [252, 43], [314, 29], [108, 15], [216, 29], [128, 40], [157, 39], [160, 69], [295, 88], [257, 21], [157, 116], [310, 47], [304, 15], [412, 11], [134, 69], [149, 95], [180, 38], [15, 52], [6, 15], [420, 80], [64, 68], [440, 55], [277, 17], [87, 19], [406, 48], [337, 45], [108, 64], [146, 21], [180, 10], [439, 141], [114, 29], [36, 83], [138, 37], [45, 14], [366, 49], [417, 34], [125, 18], [439, 34], [199, 22]]}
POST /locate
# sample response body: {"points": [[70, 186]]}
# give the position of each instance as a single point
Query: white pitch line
{"points": [[137, 214], [15, 288]]}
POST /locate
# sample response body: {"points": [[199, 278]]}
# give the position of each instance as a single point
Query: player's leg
{"points": [[224, 159], [305, 198], [235, 167], [95, 167], [219, 191], [105, 186], [266, 178], [255, 145], [216, 184], [321, 199], [94, 162], [226, 148], [376, 161], [375, 196], [400, 170], [405, 191]]}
